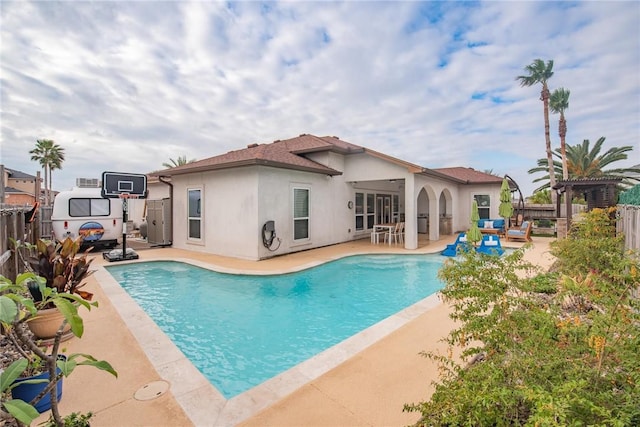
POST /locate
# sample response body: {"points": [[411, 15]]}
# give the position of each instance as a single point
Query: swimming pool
{"points": [[240, 330]]}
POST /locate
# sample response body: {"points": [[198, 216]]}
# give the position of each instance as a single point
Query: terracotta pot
{"points": [[46, 323]]}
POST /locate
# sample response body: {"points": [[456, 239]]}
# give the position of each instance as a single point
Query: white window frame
{"points": [[359, 211], [367, 212], [195, 218], [306, 218], [371, 210], [486, 208]]}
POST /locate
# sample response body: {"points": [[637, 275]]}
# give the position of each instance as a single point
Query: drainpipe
{"points": [[160, 178]]}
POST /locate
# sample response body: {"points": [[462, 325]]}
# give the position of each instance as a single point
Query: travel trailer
{"points": [[83, 212]]}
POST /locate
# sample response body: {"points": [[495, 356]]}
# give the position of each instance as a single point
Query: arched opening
{"points": [[445, 213], [422, 206]]}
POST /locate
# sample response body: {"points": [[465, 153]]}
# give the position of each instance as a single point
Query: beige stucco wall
{"points": [[229, 203], [237, 202], [461, 222], [26, 185], [330, 219]]}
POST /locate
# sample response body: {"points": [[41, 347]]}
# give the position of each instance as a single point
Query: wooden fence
{"points": [[44, 217], [548, 211], [13, 226], [629, 224]]}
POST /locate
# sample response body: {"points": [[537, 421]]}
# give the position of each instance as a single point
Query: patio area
{"points": [[364, 381]]}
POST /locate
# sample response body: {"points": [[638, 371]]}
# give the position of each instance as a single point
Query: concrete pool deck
{"points": [[364, 381]]}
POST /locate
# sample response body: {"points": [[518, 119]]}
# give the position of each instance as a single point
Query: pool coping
{"points": [[201, 401]]}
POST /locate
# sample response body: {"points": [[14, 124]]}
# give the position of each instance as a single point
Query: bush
{"points": [[555, 348], [545, 223]]}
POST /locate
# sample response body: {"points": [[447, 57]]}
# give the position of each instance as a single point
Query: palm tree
{"points": [[50, 156], [558, 103], [586, 162], [539, 72], [180, 161]]}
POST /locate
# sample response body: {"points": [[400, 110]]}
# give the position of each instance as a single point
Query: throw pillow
{"points": [[488, 224]]}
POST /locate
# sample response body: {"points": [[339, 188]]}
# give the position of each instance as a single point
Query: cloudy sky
{"points": [[126, 86]]}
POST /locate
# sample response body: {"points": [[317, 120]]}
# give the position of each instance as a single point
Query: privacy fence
{"points": [[629, 225], [14, 226]]}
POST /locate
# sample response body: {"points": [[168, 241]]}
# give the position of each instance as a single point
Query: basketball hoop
{"points": [[123, 186], [126, 196]]}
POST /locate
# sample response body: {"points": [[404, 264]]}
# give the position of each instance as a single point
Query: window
{"points": [[395, 208], [300, 213], [359, 211], [365, 210], [195, 214], [89, 207], [484, 205], [371, 211]]}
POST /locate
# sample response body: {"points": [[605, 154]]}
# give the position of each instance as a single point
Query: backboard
{"points": [[116, 183]]}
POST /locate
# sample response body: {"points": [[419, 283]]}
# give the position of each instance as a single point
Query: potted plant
{"points": [[64, 270], [16, 309], [33, 380]]}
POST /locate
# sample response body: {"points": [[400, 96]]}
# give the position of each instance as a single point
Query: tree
{"points": [[541, 197], [586, 162], [180, 161], [558, 103], [50, 156], [539, 72]]}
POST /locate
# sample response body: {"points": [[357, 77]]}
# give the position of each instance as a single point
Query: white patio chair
{"points": [[397, 235], [377, 234]]}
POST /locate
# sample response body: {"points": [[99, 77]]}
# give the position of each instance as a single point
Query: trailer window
{"points": [[89, 207]]}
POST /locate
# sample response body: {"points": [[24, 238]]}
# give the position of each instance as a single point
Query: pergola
{"points": [[598, 192]]}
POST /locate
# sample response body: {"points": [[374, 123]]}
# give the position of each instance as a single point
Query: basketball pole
{"points": [[125, 186], [125, 210]]}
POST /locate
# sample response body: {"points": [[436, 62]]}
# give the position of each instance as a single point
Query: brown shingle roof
{"points": [[283, 154], [469, 175], [306, 143], [289, 154]]}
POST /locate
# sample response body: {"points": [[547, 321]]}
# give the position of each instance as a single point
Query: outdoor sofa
{"points": [[492, 226]]}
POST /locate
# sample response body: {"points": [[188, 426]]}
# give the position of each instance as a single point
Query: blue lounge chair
{"points": [[490, 245], [460, 244]]}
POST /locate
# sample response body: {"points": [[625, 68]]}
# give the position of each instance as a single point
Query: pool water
{"points": [[240, 330]]}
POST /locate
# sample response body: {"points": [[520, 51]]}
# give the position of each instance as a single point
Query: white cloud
{"points": [[124, 86]]}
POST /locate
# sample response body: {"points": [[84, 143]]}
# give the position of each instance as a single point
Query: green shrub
{"points": [[544, 223], [538, 348], [546, 283]]}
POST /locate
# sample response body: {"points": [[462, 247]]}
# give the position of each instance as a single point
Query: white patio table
{"points": [[385, 227]]}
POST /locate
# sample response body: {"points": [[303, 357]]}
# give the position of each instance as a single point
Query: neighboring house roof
{"points": [[289, 154], [15, 174], [11, 190], [469, 175]]}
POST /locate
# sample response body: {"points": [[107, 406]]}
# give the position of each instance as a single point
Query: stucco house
{"points": [[309, 191], [19, 187]]}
